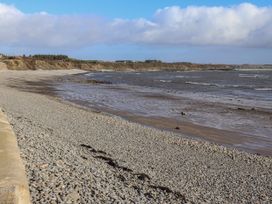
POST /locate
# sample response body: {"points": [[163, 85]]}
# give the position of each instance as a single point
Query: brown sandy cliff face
{"points": [[28, 63], [31, 64], [34, 64], [3, 66]]}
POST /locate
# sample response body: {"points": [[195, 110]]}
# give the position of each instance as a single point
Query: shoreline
{"points": [[242, 139], [186, 130], [76, 155]]}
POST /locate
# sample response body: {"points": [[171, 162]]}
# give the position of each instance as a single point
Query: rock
{"points": [[60, 163], [43, 166], [72, 197], [241, 109]]}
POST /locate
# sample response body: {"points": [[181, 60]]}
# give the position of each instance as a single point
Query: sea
{"points": [[231, 108]]}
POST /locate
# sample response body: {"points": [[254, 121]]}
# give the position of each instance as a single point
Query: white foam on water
{"points": [[199, 83], [187, 77], [219, 85], [180, 77], [262, 76], [165, 81], [263, 89], [89, 74]]}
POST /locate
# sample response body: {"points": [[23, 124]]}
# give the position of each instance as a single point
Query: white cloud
{"points": [[212, 25], [241, 25], [42, 29]]}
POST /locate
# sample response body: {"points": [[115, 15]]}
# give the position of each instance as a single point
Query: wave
{"points": [[89, 74], [180, 77], [199, 83], [187, 77], [166, 81], [219, 85], [262, 76], [263, 89]]}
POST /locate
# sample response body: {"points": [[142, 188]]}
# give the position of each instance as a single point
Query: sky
{"points": [[193, 31]]}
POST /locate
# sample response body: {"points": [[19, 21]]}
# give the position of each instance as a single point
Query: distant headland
{"points": [[55, 62]]}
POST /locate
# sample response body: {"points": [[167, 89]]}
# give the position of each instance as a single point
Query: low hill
{"points": [[53, 62]]}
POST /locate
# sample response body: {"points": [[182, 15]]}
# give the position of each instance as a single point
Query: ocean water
{"points": [[250, 85], [236, 101]]}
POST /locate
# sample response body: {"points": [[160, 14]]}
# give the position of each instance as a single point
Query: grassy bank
{"points": [[53, 62]]}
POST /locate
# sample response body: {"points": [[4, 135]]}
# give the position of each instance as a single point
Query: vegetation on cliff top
{"points": [[42, 61]]}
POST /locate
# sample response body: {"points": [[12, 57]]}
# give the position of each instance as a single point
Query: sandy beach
{"points": [[75, 155]]}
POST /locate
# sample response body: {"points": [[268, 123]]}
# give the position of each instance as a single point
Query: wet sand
{"points": [[227, 108], [73, 154]]}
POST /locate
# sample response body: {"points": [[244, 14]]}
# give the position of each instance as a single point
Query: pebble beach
{"points": [[77, 155]]}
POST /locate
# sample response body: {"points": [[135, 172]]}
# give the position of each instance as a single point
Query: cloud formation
{"points": [[244, 25]]}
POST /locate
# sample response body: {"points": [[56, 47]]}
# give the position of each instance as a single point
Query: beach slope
{"points": [[77, 155]]}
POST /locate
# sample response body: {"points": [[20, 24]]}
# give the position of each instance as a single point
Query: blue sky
{"points": [[220, 32], [116, 8]]}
